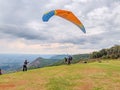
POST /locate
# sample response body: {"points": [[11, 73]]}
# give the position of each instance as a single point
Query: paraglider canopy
{"points": [[68, 15]]}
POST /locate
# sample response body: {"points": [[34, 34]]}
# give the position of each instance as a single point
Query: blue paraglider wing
{"points": [[48, 15]]}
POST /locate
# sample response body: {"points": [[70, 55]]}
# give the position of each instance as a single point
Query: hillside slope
{"points": [[90, 76], [113, 53], [76, 58], [43, 62]]}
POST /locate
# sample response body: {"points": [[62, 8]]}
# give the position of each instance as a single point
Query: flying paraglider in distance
{"points": [[68, 15]]}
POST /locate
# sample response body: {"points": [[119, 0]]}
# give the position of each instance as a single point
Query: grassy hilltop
{"points": [[90, 76]]}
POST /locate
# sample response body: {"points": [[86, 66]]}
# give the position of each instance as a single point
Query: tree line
{"points": [[110, 53]]}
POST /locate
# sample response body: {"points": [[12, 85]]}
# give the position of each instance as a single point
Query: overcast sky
{"points": [[23, 31]]}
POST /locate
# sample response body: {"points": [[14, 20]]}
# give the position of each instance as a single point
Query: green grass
{"points": [[90, 76]]}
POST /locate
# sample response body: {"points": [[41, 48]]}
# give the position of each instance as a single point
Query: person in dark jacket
{"points": [[25, 65], [69, 59], [65, 60], [0, 72]]}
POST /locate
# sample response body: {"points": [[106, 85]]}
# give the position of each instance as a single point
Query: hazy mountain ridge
{"points": [[10, 62], [42, 62], [55, 60], [76, 59], [13, 62], [58, 56]]}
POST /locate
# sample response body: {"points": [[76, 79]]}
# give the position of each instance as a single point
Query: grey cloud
{"points": [[23, 32], [20, 12]]}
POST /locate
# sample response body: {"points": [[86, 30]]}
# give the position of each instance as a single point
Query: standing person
{"points": [[25, 65], [0, 72], [65, 59], [69, 59]]}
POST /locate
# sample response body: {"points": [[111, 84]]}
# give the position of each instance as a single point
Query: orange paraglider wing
{"points": [[68, 15]]}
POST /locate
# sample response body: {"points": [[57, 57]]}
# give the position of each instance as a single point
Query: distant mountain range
{"points": [[58, 56], [76, 58], [55, 60], [12, 62], [42, 62]]}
